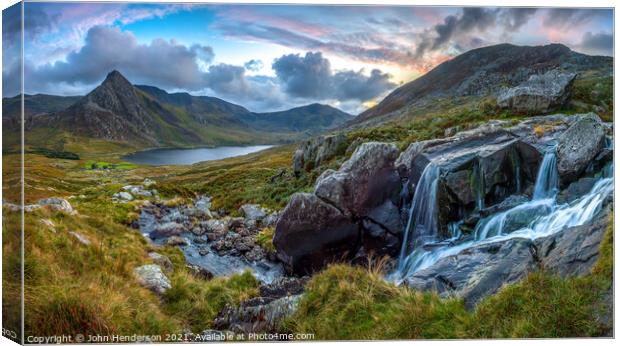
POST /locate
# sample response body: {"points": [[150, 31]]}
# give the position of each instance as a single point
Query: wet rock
{"points": [[203, 251], [479, 271], [202, 205], [255, 254], [509, 203], [215, 226], [167, 229], [162, 261], [541, 93], [57, 204], [176, 240], [152, 277], [257, 315], [576, 189], [312, 233], [574, 251], [579, 145]]}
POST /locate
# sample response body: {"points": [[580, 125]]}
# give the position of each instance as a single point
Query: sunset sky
{"points": [[271, 57]]}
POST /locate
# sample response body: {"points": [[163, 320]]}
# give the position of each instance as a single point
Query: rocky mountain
{"points": [[148, 116], [483, 72]]}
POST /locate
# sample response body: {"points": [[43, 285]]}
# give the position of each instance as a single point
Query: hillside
{"points": [[146, 116], [479, 73]]}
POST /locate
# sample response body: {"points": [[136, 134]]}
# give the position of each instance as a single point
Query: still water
{"points": [[189, 156]]}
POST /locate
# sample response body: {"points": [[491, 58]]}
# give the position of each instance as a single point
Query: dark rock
{"points": [[479, 271], [509, 203], [578, 146], [576, 189], [541, 93], [284, 286], [312, 233], [176, 240], [363, 182], [167, 229], [257, 315], [199, 272]]}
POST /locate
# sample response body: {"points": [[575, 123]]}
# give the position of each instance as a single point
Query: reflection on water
{"points": [[189, 156]]}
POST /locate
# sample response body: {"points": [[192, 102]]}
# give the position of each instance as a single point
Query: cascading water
{"points": [[539, 217], [422, 221], [547, 181]]}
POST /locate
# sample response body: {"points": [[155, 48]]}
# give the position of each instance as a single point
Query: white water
{"points": [[540, 217], [422, 222]]}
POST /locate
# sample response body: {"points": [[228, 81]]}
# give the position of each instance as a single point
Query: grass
{"points": [[265, 239], [352, 303], [91, 164]]}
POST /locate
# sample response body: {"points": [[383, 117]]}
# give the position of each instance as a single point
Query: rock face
{"points": [[479, 271], [312, 233], [152, 277], [579, 145], [541, 93], [317, 150]]}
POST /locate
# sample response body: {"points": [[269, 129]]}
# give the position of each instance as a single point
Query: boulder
{"points": [[272, 219], [363, 182], [578, 146], [479, 271], [252, 212], [203, 204], [152, 277], [162, 261], [312, 233], [541, 93], [576, 189], [283, 286], [57, 204], [317, 150]]}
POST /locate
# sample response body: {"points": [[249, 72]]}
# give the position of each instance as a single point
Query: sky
{"points": [[271, 57]]}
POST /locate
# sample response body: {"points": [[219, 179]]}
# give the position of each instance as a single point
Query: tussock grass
{"points": [[265, 239]]}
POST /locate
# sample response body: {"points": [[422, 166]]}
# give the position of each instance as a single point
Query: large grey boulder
{"points": [[479, 271], [312, 233], [579, 145], [152, 277], [541, 93], [162, 260], [318, 150]]}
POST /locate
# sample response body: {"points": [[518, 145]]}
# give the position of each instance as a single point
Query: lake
{"points": [[189, 156]]}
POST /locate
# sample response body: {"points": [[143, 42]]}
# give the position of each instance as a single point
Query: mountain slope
{"points": [[147, 116], [481, 72]]}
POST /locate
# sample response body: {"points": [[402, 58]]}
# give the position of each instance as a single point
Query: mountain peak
{"points": [[116, 78]]}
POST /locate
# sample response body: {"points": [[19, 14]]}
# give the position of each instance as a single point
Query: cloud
{"points": [[311, 76], [566, 17], [164, 63], [514, 18], [601, 43], [253, 65]]}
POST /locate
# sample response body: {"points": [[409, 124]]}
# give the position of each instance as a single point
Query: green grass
{"points": [[265, 239], [91, 164]]}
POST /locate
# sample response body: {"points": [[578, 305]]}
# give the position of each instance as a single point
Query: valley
{"points": [[443, 212]]}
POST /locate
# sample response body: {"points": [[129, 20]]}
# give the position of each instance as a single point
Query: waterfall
{"points": [[422, 221], [547, 181], [541, 216], [479, 182]]}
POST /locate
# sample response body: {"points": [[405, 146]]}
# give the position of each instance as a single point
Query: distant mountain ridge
{"points": [[481, 72], [148, 116]]}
